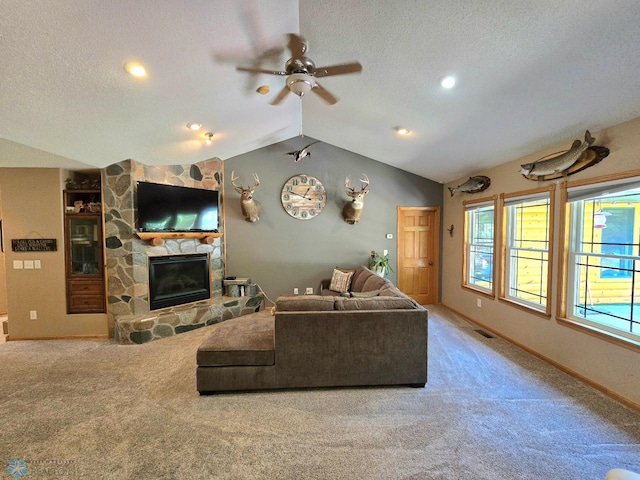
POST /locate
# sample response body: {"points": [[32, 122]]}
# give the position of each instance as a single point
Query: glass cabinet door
{"points": [[85, 250]]}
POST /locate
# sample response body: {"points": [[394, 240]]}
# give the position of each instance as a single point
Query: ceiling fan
{"points": [[301, 72]]}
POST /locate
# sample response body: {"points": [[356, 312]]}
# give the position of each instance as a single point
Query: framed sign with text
{"points": [[34, 245]]}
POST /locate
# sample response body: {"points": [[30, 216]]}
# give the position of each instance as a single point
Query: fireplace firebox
{"points": [[178, 279]]}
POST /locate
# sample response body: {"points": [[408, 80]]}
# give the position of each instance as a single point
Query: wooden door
{"points": [[419, 252]]}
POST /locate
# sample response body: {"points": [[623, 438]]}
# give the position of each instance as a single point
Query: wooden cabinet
{"points": [[83, 251]]}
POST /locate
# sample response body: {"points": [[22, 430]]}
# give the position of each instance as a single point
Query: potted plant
{"points": [[379, 263]]}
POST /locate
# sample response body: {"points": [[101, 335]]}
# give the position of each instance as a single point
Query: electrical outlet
{"points": [[479, 302], [33, 315], [37, 264], [309, 291], [295, 291]]}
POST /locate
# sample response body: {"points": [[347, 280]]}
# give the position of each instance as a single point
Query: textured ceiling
{"points": [[531, 75]]}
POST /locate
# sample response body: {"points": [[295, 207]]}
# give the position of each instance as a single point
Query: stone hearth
{"points": [[135, 329]]}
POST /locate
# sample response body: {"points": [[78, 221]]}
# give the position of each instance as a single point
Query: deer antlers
{"points": [[234, 178], [365, 182]]}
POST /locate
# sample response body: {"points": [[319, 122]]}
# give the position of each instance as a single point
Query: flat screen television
{"points": [[170, 208]]}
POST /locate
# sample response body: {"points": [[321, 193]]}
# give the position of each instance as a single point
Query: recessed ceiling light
{"points": [[402, 130], [136, 69], [194, 125], [448, 81]]}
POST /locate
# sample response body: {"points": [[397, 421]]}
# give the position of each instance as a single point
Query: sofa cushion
{"points": [[375, 303], [341, 280], [391, 290], [374, 282], [247, 340], [303, 303], [373, 293], [360, 274]]}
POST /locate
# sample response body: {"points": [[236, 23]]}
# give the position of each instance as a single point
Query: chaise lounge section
{"points": [[377, 337]]}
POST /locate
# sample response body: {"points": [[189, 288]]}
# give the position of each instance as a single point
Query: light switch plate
{"points": [[28, 264], [17, 264]]}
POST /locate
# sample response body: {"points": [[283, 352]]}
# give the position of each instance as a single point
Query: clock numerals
{"points": [[286, 197], [312, 182], [304, 179]]}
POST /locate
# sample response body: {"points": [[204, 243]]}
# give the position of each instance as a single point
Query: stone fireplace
{"points": [[127, 256]]}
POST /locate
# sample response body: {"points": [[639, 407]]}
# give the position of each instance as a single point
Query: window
{"points": [[479, 222], [527, 241], [603, 261]]}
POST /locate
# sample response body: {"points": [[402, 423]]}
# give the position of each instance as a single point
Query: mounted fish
{"points": [[473, 185], [560, 164]]}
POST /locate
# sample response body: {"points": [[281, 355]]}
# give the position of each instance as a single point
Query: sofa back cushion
{"points": [[375, 303], [359, 276], [305, 303], [364, 280]]}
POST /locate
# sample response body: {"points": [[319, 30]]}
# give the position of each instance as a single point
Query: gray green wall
{"points": [[279, 252]]}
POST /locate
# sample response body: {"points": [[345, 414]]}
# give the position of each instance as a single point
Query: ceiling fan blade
{"points": [[324, 94], [271, 54], [297, 46], [283, 93], [341, 69], [260, 70]]}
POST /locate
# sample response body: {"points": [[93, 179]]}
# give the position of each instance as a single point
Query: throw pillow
{"points": [[340, 281], [373, 293]]}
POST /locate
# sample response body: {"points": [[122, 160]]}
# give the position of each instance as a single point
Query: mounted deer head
{"points": [[251, 208], [352, 210]]}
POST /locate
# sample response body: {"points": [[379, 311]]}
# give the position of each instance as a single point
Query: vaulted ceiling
{"points": [[529, 75]]}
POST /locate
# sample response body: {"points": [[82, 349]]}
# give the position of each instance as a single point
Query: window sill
{"points": [[526, 308], [601, 334], [479, 291]]}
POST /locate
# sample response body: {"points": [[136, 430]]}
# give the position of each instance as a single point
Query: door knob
{"points": [[430, 263]]}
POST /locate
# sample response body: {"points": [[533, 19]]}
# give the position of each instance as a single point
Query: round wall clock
{"points": [[303, 197]]}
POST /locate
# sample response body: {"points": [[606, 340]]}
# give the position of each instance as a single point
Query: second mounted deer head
{"points": [[351, 211], [251, 208]]}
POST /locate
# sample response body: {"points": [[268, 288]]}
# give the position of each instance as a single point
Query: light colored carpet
{"points": [[489, 411]]}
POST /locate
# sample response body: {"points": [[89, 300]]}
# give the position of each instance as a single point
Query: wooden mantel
{"points": [[157, 238]]}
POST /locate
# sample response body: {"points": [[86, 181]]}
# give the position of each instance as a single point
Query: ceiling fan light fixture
{"points": [[207, 138], [300, 83]]}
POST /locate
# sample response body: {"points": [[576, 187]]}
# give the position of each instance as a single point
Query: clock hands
{"points": [[303, 196]]}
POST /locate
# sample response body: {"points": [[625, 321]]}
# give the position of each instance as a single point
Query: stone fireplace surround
{"points": [[130, 318]]}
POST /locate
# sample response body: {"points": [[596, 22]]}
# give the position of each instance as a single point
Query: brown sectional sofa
{"points": [[372, 335]]}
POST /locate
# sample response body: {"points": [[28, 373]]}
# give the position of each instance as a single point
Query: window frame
{"points": [[565, 253], [468, 206], [504, 282]]}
